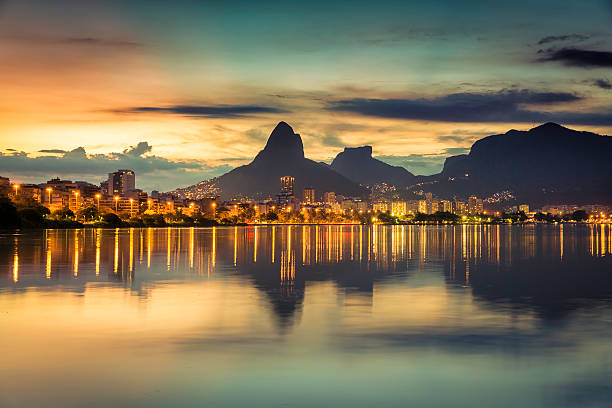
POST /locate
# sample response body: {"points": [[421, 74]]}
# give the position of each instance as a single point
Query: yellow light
{"points": [[16, 186], [116, 198], [98, 196], [49, 189], [214, 205], [131, 200]]}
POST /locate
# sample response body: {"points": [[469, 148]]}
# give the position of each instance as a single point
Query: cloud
{"points": [[216, 111], [138, 150], [77, 41], [577, 57], [501, 107], [153, 172], [99, 41], [423, 164], [602, 83], [568, 37], [58, 151]]}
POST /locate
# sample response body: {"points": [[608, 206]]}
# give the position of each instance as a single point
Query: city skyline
{"points": [[88, 83]]}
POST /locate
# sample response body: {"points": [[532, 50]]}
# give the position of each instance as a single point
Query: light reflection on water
{"points": [[471, 315]]}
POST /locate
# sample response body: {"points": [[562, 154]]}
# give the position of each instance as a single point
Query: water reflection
{"points": [[465, 316], [546, 267]]}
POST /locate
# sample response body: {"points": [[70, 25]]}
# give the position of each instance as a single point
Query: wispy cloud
{"points": [[214, 111], [504, 106], [567, 37]]}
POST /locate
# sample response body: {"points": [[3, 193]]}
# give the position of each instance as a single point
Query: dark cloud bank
{"points": [[503, 107], [577, 57]]}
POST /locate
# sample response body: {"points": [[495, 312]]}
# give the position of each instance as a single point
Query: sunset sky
{"points": [[185, 90]]}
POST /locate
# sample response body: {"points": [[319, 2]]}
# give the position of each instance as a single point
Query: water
{"points": [[302, 316]]}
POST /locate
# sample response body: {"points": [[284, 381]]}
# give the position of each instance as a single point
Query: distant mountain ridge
{"points": [[283, 155], [357, 164], [547, 164]]}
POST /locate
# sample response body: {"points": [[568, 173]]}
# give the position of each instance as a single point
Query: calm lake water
{"points": [[307, 316]]}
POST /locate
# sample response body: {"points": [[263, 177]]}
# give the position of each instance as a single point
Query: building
{"points": [[524, 208], [475, 205], [287, 184], [308, 195], [329, 197], [355, 204], [121, 182], [380, 207], [422, 206], [286, 198], [459, 208], [398, 208], [445, 206]]}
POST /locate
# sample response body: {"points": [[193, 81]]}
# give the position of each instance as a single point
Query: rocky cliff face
{"points": [[357, 164], [549, 163]]}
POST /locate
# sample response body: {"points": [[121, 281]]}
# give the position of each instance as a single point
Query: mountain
{"points": [[547, 164], [283, 155], [357, 164]]}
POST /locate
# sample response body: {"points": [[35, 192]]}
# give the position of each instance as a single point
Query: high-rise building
{"points": [[120, 182], [445, 206], [286, 197], [398, 207], [308, 195], [422, 206], [329, 197], [287, 185], [524, 208], [475, 205]]}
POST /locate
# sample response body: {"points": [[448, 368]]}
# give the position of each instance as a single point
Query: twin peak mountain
{"points": [[549, 159]]}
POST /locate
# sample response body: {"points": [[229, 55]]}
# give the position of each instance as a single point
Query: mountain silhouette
{"points": [[283, 155], [547, 164], [357, 164]]}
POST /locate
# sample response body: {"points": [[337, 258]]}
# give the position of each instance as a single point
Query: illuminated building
{"points": [[121, 182], [422, 206], [475, 205], [445, 206], [380, 206], [329, 197], [286, 198], [398, 208], [524, 208], [308, 195]]}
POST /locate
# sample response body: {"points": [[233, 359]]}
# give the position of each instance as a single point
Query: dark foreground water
{"points": [[386, 316]]}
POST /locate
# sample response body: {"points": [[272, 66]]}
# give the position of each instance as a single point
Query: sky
{"points": [[183, 91]]}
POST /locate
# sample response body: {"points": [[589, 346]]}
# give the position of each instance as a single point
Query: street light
{"points": [[213, 205], [49, 190], [149, 204], [16, 187], [116, 203], [98, 198], [76, 199], [131, 202]]}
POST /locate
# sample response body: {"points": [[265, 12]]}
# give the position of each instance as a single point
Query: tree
{"points": [[271, 216], [63, 214], [112, 219], [580, 215], [88, 212], [32, 218], [8, 214]]}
